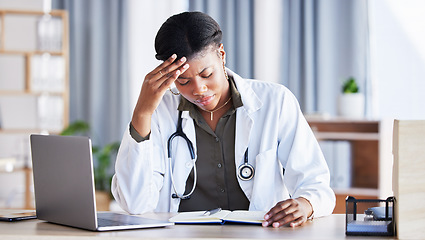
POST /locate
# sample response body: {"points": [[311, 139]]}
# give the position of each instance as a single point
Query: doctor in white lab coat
{"points": [[290, 179]]}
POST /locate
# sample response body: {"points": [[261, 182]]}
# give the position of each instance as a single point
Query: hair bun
{"points": [[186, 34]]}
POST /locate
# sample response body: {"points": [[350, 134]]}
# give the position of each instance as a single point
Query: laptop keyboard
{"points": [[112, 219], [103, 222]]}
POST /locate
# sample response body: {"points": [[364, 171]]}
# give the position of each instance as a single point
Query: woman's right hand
{"points": [[153, 89]]}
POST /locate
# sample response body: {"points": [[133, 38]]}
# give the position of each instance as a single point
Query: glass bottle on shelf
{"points": [[49, 32]]}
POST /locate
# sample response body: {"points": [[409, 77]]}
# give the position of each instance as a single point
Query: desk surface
{"points": [[331, 227]]}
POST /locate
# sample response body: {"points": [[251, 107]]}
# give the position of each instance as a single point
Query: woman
{"points": [[252, 147]]}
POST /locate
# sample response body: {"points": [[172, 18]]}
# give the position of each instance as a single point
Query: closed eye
{"points": [[182, 82], [208, 76]]}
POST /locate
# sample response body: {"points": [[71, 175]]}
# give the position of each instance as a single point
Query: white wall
{"points": [[22, 4], [398, 58]]}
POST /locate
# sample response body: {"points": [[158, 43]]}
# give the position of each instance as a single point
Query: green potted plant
{"points": [[102, 157], [351, 101], [350, 86]]}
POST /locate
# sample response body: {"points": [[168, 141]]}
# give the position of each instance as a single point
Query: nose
{"points": [[199, 87]]}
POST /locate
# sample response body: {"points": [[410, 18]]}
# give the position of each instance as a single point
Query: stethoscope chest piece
{"points": [[246, 172]]}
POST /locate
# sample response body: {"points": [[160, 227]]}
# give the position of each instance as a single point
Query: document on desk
{"points": [[223, 216]]}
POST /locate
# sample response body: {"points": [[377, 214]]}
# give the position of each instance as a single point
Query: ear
{"points": [[222, 53]]}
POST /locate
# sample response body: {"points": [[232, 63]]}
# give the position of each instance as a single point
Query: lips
{"points": [[205, 100]]}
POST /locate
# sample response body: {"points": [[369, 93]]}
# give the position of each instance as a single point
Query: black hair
{"points": [[186, 34]]}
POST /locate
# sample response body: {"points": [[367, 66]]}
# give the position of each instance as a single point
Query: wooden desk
{"points": [[331, 227]]}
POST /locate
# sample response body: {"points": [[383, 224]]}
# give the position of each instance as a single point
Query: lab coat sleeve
{"points": [[138, 177], [306, 172]]}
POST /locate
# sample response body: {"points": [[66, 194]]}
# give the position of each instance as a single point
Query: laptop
{"points": [[64, 186]]}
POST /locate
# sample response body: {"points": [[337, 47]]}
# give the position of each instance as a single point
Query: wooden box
{"points": [[409, 178]]}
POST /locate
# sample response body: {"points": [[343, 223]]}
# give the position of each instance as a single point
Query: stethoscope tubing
{"points": [[195, 179], [179, 133]]}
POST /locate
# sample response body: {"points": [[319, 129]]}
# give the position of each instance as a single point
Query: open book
{"points": [[240, 216]]}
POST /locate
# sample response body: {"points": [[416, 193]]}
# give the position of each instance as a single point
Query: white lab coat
{"points": [[270, 124]]}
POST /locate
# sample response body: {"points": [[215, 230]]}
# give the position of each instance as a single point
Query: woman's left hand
{"points": [[293, 211]]}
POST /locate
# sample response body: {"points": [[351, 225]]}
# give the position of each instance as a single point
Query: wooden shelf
{"points": [[348, 136], [58, 13], [31, 93], [371, 192], [365, 137], [24, 131], [344, 125], [358, 193], [27, 90], [30, 53]]}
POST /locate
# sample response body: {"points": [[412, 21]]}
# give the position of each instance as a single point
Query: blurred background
{"points": [[79, 65]]}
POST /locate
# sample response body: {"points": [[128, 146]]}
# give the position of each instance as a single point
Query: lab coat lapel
{"points": [[244, 125], [243, 131], [244, 120]]}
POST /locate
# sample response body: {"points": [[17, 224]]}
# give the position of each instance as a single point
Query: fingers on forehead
{"points": [[174, 65], [166, 63]]}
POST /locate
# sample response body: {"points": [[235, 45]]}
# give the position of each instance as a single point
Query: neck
{"points": [[218, 108]]}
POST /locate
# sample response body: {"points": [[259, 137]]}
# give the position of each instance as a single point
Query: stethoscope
{"points": [[245, 170]]}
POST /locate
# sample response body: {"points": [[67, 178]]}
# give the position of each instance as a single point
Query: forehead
{"points": [[201, 61]]}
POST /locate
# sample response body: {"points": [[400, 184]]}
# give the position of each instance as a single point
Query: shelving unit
{"points": [[40, 82], [371, 158]]}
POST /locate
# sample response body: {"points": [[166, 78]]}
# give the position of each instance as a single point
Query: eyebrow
{"points": [[203, 70]]}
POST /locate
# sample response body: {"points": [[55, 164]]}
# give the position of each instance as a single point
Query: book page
{"points": [[246, 216], [198, 217]]}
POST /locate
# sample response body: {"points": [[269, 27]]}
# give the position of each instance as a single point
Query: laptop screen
{"points": [[63, 180]]}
